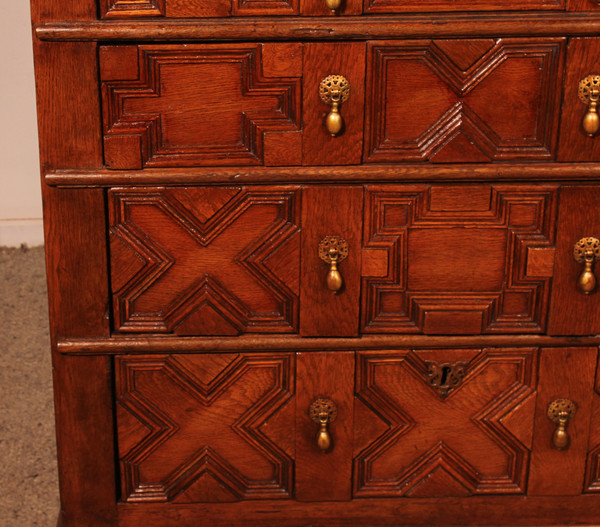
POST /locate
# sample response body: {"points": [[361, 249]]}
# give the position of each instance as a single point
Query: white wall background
{"points": [[20, 190]]}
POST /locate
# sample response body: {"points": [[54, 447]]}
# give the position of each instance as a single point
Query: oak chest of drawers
{"points": [[318, 264]]}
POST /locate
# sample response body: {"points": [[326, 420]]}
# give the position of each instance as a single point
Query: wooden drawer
{"points": [[229, 427], [193, 9], [433, 259], [438, 101]]}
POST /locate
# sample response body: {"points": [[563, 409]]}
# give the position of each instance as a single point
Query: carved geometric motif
{"points": [[447, 101], [457, 258], [129, 8], [192, 105], [204, 428], [205, 260], [476, 440]]}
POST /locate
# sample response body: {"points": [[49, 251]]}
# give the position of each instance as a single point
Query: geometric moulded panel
{"points": [[448, 100], [205, 260], [205, 428], [226, 104], [414, 442], [458, 259]]}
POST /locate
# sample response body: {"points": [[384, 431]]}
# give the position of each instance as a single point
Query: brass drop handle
{"points": [[560, 412], [586, 251], [334, 90], [333, 5], [323, 412], [589, 94], [332, 250]]}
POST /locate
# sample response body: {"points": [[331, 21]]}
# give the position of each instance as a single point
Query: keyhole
{"points": [[445, 372]]}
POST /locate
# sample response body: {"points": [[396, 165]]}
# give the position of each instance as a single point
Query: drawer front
{"points": [[205, 261], [189, 105], [205, 428], [420, 423], [452, 423], [463, 100], [457, 259], [193, 9], [396, 6]]}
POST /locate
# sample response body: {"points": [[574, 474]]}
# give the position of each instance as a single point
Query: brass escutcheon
{"points": [[560, 412], [332, 250], [334, 90], [323, 411], [587, 251], [589, 94]]}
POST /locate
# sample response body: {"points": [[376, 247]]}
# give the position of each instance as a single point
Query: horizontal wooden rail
{"points": [[586, 172], [167, 344], [325, 28]]}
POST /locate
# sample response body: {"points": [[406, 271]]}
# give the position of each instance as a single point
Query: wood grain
{"points": [[324, 476], [571, 311], [321, 60], [576, 172], [454, 25], [330, 211], [581, 61], [565, 373]]}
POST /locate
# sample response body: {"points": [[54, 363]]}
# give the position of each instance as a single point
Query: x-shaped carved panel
{"points": [[429, 104], [182, 265], [465, 438], [184, 438]]}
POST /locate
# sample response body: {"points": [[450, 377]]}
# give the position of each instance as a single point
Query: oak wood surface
{"points": [[565, 373], [581, 61], [488, 511], [465, 25], [336, 174], [571, 311], [146, 344], [324, 476], [212, 431], [330, 211], [320, 61]]}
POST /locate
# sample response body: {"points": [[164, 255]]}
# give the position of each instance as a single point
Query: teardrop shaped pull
{"points": [[323, 412], [560, 412], [333, 5], [586, 251], [589, 94], [332, 250], [334, 90]]}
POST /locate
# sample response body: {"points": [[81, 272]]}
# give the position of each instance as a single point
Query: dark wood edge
{"points": [[152, 344], [327, 28], [363, 173]]}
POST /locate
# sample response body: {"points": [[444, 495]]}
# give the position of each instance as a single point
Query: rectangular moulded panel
{"points": [[196, 8], [475, 100], [397, 6], [450, 259], [198, 105]]}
